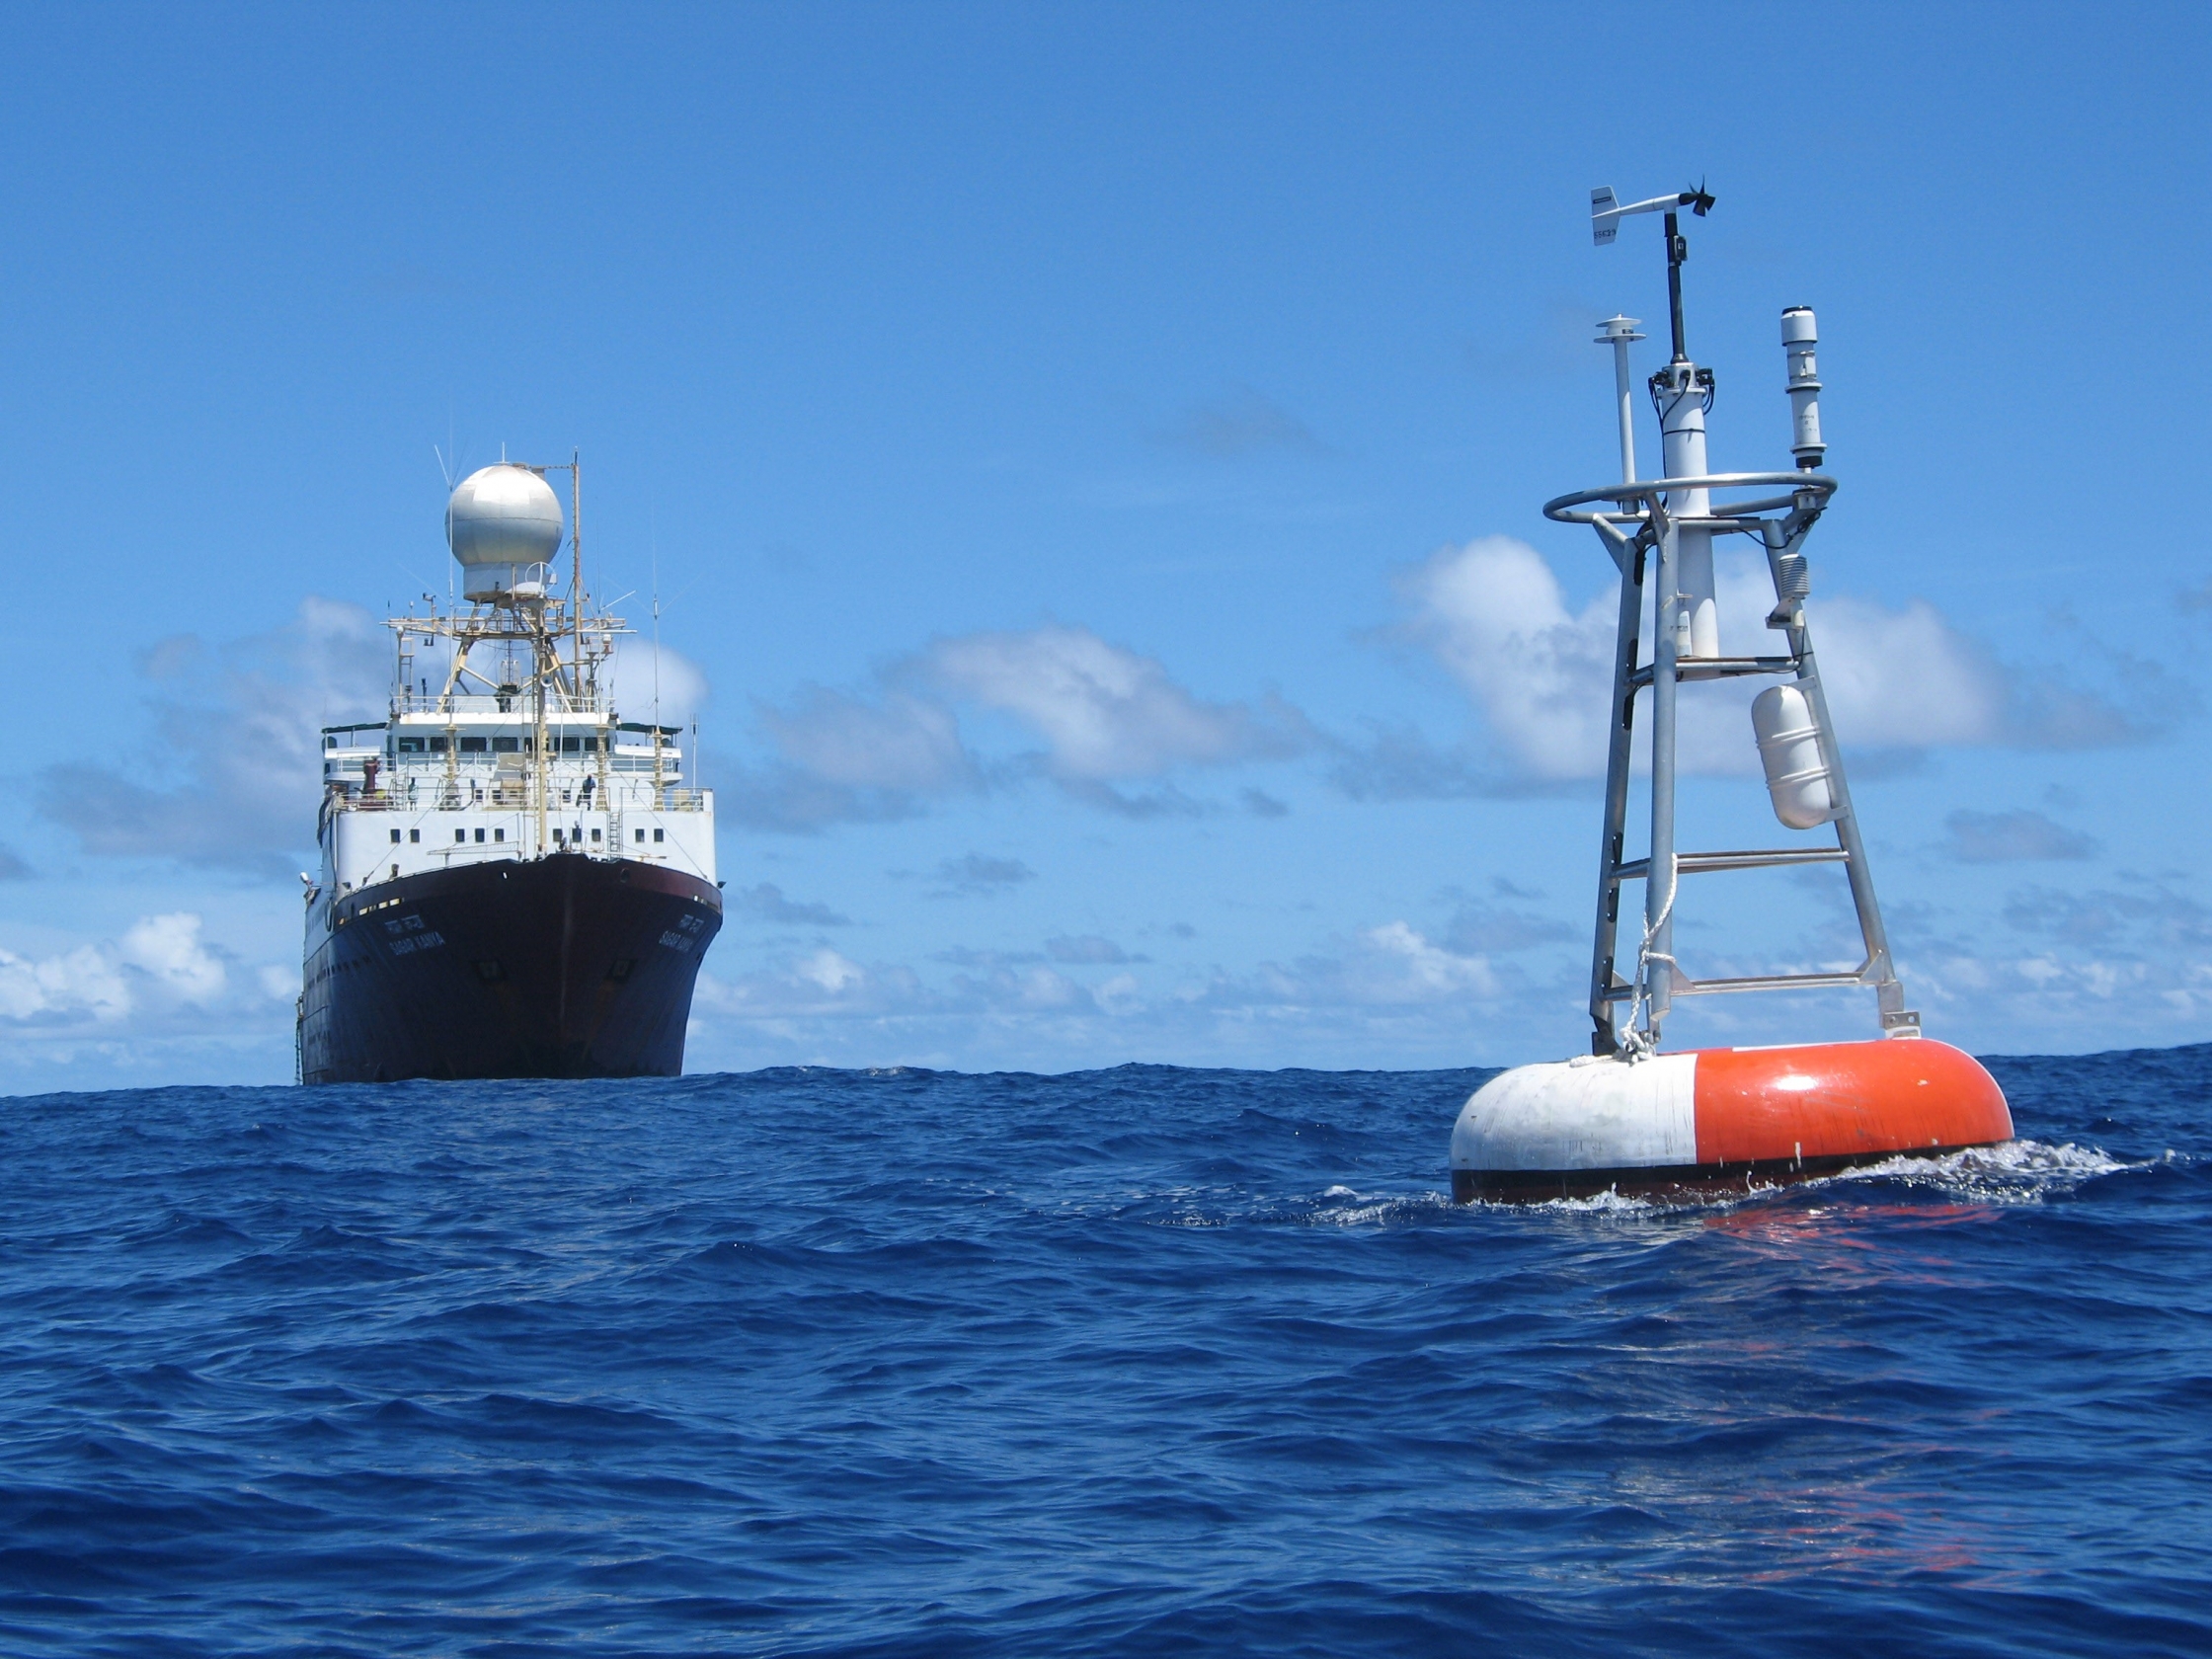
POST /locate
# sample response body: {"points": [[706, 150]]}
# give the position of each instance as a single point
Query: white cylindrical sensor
{"points": [[1799, 335], [1782, 718], [1681, 431]]}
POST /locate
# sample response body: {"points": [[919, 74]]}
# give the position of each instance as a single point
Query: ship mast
{"points": [[514, 609]]}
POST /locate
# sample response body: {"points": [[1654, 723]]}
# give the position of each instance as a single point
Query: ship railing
{"points": [[420, 795], [474, 703]]}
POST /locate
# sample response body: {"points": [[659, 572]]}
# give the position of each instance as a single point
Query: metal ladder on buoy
{"points": [[1659, 533]]}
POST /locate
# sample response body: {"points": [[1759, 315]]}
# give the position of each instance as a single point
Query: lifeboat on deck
{"points": [[1713, 1119]]}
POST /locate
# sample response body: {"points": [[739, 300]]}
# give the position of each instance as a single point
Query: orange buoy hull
{"points": [[1719, 1118]]}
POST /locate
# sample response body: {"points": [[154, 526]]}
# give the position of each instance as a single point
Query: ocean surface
{"points": [[1142, 1362]]}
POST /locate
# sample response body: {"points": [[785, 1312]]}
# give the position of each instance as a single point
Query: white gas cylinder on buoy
{"points": [[1782, 717]]}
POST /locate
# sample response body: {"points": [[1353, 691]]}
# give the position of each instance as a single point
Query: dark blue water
{"points": [[1135, 1362]]}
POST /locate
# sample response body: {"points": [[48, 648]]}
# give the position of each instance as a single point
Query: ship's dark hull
{"points": [[559, 967]]}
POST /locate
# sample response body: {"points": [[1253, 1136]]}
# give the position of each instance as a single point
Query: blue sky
{"points": [[1091, 458]]}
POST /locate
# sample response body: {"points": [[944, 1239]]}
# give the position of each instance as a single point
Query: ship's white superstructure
{"points": [[500, 741]]}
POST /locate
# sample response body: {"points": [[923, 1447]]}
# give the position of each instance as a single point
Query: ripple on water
{"points": [[910, 1362]]}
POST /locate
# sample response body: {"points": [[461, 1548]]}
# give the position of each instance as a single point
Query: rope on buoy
{"points": [[1640, 1043]]}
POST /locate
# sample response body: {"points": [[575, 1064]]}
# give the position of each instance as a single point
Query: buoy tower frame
{"points": [[1626, 1118], [1659, 533]]}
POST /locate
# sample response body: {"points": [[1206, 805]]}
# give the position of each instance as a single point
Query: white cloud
{"points": [[1087, 948], [160, 965], [1980, 837], [638, 675], [1241, 424], [766, 903], [1493, 612], [84, 981], [1903, 679], [234, 776], [168, 948], [1392, 965], [1106, 714], [1431, 970], [820, 1001], [833, 972], [977, 872], [902, 743]]}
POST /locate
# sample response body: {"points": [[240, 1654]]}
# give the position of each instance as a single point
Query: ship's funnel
{"points": [[504, 524]]}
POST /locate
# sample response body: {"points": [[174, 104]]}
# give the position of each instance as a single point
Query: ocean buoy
{"points": [[1629, 1116], [1718, 1116]]}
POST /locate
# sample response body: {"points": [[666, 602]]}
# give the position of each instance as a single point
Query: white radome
{"points": [[503, 524]]}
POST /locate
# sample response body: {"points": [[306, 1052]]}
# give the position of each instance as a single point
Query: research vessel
{"points": [[515, 880], [1626, 1117]]}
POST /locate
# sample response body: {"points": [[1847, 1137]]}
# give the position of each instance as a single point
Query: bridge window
{"points": [[506, 746], [474, 746], [571, 744], [437, 746], [411, 746]]}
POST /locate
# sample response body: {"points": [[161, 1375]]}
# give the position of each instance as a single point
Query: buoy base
{"points": [[1718, 1120], [1681, 1180]]}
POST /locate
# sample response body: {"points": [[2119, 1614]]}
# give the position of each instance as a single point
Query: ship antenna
{"points": [[449, 543], [653, 522], [576, 573]]}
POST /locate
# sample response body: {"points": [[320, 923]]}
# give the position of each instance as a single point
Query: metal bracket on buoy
{"points": [[1659, 534]]}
